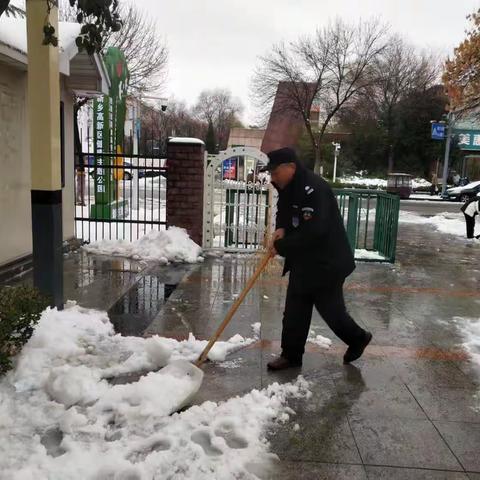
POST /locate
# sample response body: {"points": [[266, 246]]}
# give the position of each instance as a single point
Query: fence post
{"points": [[352, 220], [185, 184]]}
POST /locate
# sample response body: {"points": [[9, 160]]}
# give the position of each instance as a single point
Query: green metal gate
{"points": [[371, 221]]}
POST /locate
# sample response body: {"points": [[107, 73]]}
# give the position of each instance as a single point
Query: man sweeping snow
{"points": [[311, 236], [470, 209]]}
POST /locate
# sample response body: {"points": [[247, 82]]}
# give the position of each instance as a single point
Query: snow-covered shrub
{"points": [[20, 309]]}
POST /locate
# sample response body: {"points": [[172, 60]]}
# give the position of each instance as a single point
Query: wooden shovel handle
{"points": [[203, 356]]}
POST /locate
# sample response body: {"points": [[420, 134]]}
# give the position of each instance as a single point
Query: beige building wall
{"points": [[68, 203], [15, 212], [246, 137], [15, 182]]}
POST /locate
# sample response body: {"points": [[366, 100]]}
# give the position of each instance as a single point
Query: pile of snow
{"points": [[420, 183], [165, 246], [61, 418], [357, 180], [379, 183], [318, 340], [445, 222]]}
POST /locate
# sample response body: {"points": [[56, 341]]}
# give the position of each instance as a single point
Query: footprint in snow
{"points": [[157, 444], [204, 439], [227, 431]]}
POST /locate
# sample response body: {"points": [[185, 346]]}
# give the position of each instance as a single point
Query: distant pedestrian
{"points": [[311, 236], [434, 186], [471, 209]]}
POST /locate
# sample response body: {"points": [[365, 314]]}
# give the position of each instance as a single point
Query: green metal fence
{"points": [[371, 221]]}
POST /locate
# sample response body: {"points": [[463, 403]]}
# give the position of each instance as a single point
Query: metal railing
{"points": [[119, 196], [371, 222]]}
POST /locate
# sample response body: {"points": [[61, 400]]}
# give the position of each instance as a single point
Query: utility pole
{"points": [[44, 123], [448, 141], [337, 150]]}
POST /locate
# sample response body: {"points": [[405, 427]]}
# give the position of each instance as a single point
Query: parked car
{"points": [[463, 193], [153, 167]]}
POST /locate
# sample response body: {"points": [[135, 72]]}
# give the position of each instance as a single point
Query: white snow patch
{"points": [[362, 254], [195, 141], [256, 329], [445, 222], [231, 363], [165, 246], [62, 419], [379, 183], [318, 340], [355, 180], [470, 330]]}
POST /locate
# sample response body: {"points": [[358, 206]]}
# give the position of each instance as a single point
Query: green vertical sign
{"points": [[109, 121], [101, 132]]}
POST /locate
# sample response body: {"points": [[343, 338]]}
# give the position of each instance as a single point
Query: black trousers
{"points": [[470, 221], [297, 317]]}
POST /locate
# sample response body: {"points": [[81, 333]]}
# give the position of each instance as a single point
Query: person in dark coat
{"points": [[471, 209], [311, 236]]}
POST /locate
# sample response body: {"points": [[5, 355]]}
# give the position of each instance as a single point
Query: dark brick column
{"points": [[185, 159]]}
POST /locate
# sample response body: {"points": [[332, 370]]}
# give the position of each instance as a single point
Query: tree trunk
{"points": [[318, 160], [390, 159]]}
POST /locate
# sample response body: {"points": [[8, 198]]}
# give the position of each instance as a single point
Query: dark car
{"points": [[127, 171]]}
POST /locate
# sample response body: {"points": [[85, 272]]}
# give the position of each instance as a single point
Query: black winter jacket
{"points": [[315, 247]]}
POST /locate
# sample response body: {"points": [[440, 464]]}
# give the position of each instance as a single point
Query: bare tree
{"points": [[396, 73], [328, 69], [221, 109], [145, 52]]}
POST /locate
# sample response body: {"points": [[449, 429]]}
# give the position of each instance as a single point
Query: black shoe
{"points": [[282, 363], [354, 352]]}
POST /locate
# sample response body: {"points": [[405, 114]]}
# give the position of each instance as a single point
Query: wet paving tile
{"points": [[318, 471], [372, 373], [464, 440], [389, 473], [322, 438], [450, 404], [402, 442], [387, 402], [434, 373]]}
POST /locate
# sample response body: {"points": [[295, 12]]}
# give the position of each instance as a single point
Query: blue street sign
{"points": [[438, 131]]}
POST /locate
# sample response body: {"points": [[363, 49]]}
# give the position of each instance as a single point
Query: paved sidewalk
{"points": [[409, 409]]}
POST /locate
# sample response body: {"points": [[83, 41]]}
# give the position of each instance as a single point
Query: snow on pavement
{"points": [[363, 254], [318, 340], [445, 222], [470, 331], [61, 418], [165, 246]]}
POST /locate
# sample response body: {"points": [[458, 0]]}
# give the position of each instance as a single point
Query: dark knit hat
{"points": [[277, 157]]}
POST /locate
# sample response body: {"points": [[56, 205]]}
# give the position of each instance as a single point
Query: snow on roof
{"points": [[195, 141], [13, 34]]}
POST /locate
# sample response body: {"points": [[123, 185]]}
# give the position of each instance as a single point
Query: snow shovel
{"points": [[203, 356], [188, 375]]}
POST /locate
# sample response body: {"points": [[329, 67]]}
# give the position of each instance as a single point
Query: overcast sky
{"points": [[215, 43]]}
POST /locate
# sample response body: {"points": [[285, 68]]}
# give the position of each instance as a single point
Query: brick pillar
{"points": [[185, 159]]}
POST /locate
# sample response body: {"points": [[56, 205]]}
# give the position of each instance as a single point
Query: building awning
{"points": [[87, 75]]}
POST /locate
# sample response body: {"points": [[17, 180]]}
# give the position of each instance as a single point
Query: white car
{"points": [[464, 193]]}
